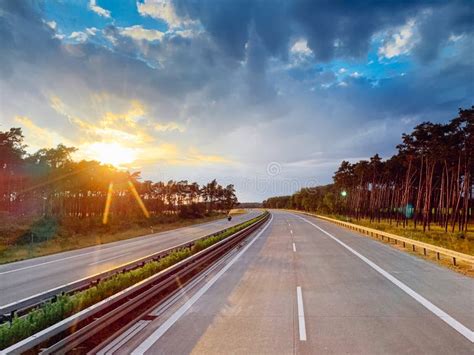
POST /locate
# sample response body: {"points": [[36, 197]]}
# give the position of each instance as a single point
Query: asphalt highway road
{"points": [[23, 279], [307, 286]]}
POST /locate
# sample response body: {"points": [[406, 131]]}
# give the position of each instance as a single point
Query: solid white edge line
{"points": [[123, 338], [453, 323], [294, 247], [45, 263], [72, 282], [301, 321], [158, 311], [107, 248], [158, 333]]}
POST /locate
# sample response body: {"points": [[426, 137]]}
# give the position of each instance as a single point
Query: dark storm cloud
{"points": [[32, 60], [237, 83], [332, 28], [436, 27]]}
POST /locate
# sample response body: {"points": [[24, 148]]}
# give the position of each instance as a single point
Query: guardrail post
{"points": [[404, 244], [437, 256], [414, 248], [454, 261], [424, 251]]}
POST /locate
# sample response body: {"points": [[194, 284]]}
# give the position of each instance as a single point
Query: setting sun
{"points": [[111, 153], [241, 176]]}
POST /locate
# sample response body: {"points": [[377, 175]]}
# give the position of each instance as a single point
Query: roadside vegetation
{"points": [[70, 234], [424, 192], [237, 211], [51, 203], [462, 242], [67, 305]]}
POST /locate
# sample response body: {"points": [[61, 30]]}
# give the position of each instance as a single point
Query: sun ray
{"points": [[108, 201], [139, 200]]}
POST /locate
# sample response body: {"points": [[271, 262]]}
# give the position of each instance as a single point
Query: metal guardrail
{"points": [[104, 313], [21, 307], [454, 255]]}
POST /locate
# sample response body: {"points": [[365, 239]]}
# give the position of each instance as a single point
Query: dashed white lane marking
{"points": [[291, 231], [301, 321], [158, 333], [103, 260], [294, 247], [453, 323]]}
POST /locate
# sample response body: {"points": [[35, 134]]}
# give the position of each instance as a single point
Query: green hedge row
{"points": [[65, 306]]}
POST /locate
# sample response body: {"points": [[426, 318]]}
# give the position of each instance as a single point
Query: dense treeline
{"points": [[49, 183], [428, 181]]}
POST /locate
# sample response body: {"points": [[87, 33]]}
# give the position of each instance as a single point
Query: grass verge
{"points": [[435, 234], [67, 305], [462, 242], [69, 236]]}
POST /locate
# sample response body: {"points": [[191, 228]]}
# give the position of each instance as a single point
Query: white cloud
{"points": [[52, 24], [161, 9], [356, 75], [139, 33], [91, 31], [78, 36], [169, 126], [98, 10], [455, 38], [400, 42], [301, 47], [186, 33], [342, 70], [300, 53]]}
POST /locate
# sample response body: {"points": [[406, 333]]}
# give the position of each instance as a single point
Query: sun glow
{"points": [[111, 153]]}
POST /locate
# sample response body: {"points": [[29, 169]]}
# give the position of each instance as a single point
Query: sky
{"points": [[268, 95]]}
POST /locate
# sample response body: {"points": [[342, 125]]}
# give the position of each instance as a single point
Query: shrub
{"points": [[66, 305]]}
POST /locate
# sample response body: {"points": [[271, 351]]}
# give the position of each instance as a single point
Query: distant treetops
{"points": [[429, 180], [50, 183]]}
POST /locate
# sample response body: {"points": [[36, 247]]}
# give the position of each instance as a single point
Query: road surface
{"points": [[23, 279], [307, 286]]}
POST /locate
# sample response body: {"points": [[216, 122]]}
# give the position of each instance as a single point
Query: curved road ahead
{"points": [[307, 286], [25, 278]]}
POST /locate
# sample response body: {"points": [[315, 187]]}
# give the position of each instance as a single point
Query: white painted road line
{"points": [[104, 248], [291, 231], [157, 334], [123, 338], [301, 321], [183, 291], [294, 247], [103, 260], [453, 323], [47, 262]]}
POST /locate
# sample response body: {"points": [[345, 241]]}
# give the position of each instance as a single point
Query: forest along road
{"points": [[26, 278], [307, 286]]}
